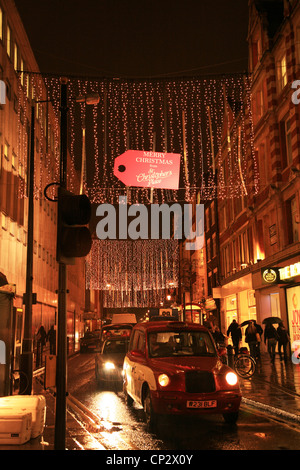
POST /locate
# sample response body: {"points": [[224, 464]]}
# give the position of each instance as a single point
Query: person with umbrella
{"points": [[270, 337]]}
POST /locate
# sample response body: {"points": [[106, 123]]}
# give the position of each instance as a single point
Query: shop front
{"points": [[238, 302], [277, 291]]}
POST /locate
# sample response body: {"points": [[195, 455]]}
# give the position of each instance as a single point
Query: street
{"points": [[123, 428]]}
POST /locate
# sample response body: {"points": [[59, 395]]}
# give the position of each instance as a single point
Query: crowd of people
{"points": [[254, 336]]}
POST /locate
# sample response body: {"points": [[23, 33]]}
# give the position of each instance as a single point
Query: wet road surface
{"points": [[124, 428]]}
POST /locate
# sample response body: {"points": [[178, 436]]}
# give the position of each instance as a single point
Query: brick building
{"points": [[259, 231]]}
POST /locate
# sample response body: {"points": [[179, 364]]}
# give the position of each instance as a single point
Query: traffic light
{"points": [[73, 237]]}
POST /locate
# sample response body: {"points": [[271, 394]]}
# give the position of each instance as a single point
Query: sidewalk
{"points": [[274, 389]]}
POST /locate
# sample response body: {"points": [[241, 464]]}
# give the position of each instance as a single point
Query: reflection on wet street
{"points": [[123, 427]]}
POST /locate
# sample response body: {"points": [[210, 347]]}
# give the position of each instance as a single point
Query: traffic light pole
{"points": [[61, 363], [26, 360]]}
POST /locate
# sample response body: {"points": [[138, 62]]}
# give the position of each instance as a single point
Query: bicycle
{"points": [[244, 365]]}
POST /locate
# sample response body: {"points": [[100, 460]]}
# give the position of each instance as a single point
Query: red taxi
{"points": [[174, 367]]}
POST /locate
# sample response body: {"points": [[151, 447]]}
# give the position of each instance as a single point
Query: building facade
{"points": [[25, 89], [259, 231]]}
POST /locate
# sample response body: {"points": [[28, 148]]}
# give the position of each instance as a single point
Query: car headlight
{"points": [[231, 378], [109, 366], [163, 380]]}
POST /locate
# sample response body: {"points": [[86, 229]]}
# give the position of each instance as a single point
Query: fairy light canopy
{"points": [[207, 120]]}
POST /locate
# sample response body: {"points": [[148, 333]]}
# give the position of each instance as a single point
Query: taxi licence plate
{"points": [[202, 404]]}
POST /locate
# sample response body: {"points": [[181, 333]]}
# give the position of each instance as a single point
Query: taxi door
{"points": [[135, 363]]}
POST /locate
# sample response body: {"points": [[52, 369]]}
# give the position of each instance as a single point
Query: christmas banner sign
{"points": [[148, 169]]}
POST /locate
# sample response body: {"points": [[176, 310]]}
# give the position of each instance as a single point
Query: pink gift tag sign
{"points": [[148, 169]]}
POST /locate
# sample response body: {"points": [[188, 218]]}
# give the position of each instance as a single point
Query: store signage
{"points": [[290, 271], [280, 275], [270, 275], [148, 169]]}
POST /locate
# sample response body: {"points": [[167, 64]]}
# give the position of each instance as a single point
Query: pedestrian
{"points": [[283, 340], [51, 337], [41, 341], [258, 338], [251, 339], [236, 335], [218, 336], [271, 338]]}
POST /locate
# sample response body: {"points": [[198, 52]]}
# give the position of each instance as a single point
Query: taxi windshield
{"points": [[114, 347], [183, 343]]}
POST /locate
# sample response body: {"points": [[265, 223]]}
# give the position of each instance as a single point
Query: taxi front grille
{"points": [[199, 382]]}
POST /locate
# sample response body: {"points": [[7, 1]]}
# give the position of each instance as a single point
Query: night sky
{"points": [[137, 38]]}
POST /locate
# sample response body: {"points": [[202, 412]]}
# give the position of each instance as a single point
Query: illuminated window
{"points": [[281, 73], [16, 56], [8, 41], [1, 24], [22, 70], [6, 152]]}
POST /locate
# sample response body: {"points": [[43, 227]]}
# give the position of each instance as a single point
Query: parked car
{"points": [[90, 341], [175, 368], [109, 362]]}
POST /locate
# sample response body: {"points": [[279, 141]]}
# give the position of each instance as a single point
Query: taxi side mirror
{"points": [[137, 353]]}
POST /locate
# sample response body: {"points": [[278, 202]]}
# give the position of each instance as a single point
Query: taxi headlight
{"points": [[163, 380], [231, 378], [109, 366]]}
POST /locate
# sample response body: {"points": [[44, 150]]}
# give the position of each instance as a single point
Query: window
{"points": [[286, 142], [292, 220], [298, 44], [14, 161], [8, 41], [256, 52], [258, 106], [1, 24], [16, 56], [281, 73], [22, 70], [6, 152]]}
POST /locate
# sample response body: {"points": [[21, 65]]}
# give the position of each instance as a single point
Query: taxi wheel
{"points": [[150, 415], [231, 418]]}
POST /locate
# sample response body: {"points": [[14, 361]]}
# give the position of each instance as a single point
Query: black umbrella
{"points": [[246, 322], [272, 320]]}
